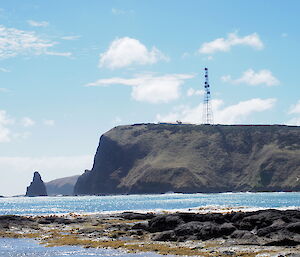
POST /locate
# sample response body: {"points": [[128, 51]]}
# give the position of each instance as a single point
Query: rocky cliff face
{"points": [[37, 186], [61, 186], [157, 158]]}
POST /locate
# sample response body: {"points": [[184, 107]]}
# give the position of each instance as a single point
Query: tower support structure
{"points": [[207, 115]]}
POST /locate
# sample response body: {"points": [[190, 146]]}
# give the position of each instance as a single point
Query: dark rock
{"points": [[276, 226], [137, 216], [37, 186], [226, 229], [7, 221], [143, 226], [57, 220], [294, 227], [164, 222], [201, 230], [283, 242], [190, 228], [165, 236], [256, 228], [209, 231], [129, 160], [245, 237], [260, 219]]}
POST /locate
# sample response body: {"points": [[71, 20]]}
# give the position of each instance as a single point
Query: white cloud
{"points": [[5, 133], [150, 88], [27, 122], [4, 70], [192, 92], [49, 122], [185, 55], [15, 42], [4, 90], [225, 44], [64, 54], [253, 78], [284, 35], [70, 37], [294, 121], [233, 114], [116, 11], [117, 120], [295, 108], [128, 51], [38, 23], [49, 167]]}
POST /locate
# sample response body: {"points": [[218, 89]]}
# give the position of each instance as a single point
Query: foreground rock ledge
{"points": [[268, 232]]}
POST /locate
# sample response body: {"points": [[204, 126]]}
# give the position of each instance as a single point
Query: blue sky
{"points": [[71, 70]]}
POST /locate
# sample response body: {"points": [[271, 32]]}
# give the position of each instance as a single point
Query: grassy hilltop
{"points": [[156, 158]]}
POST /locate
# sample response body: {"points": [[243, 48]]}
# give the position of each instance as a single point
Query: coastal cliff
{"points": [[157, 158], [37, 186], [61, 186]]}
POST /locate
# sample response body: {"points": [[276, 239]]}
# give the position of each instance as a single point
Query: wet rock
{"points": [[190, 228], [142, 226], [165, 236], [57, 220], [283, 242], [137, 216], [226, 229], [276, 226], [294, 227], [164, 222]]}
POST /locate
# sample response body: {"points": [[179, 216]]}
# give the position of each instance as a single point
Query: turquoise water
{"points": [[97, 204]]}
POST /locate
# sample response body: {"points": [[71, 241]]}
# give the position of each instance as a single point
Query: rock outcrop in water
{"points": [[61, 186], [37, 186], [157, 158]]}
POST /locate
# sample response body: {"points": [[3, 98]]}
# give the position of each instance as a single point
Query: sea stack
{"points": [[37, 186]]}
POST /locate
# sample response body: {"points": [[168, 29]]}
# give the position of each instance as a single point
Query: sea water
{"points": [[104, 204], [30, 248], [118, 203]]}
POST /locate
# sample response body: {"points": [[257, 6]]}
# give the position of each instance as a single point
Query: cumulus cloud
{"points": [[70, 37], [253, 78], [38, 23], [192, 92], [225, 44], [295, 108], [64, 54], [27, 122], [15, 42], [294, 121], [149, 88], [49, 167], [128, 51], [4, 70], [49, 122], [232, 114], [5, 133]]}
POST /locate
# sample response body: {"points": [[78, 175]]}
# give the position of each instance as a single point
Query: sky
{"points": [[71, 70]]}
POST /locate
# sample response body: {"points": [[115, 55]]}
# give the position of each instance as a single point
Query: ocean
{"points": [[106, 204], [118, 203]]}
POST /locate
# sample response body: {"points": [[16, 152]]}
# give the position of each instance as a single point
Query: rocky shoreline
{"points": [[259, 233]]}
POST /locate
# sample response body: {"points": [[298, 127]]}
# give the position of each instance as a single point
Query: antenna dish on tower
{"points": [[207, 115]]}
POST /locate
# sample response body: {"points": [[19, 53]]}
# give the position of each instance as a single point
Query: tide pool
{"points": [[30, 248]]}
